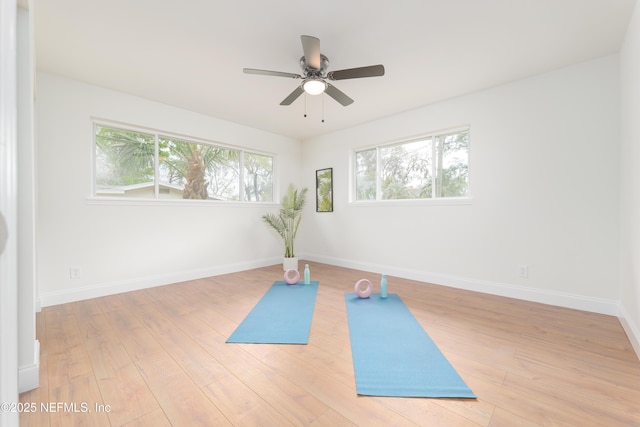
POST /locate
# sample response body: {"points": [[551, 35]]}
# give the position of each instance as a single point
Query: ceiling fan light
{"points": [[314, 86]]}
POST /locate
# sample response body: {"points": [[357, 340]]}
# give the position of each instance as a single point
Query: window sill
{"points": [[121, 201], [451, 201]]}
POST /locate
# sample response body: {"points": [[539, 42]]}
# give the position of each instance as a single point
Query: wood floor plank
{"points": [[158, 357], [183, 402], [135, 338], [331, 418], [127, 395], [201, 366], [503, 418], [562, 404], [290, 399], [67, 366], [623, 398], [428, 412], [62, 331], [77, 403], [241, 405], [120, 383], [155, 418]]}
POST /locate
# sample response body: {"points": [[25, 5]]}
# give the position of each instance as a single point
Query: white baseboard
{"points": [[103, 289], [631, 329], [29, 375], [578, 302]]}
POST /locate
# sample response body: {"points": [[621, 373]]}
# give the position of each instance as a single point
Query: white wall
{"points": [[544, 184], [630, 182], [121, 247]]}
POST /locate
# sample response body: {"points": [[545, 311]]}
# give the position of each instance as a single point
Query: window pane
{"points": [[406, 170], [182, 174], [223, 173], [453, 165], [124, 163], [258, 177], [197, 171], [366, 163]]}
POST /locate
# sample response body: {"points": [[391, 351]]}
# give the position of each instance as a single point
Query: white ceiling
{"points": [[190, 53]]}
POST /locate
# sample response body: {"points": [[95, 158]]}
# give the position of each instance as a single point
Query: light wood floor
{"points": [[158, 357]]}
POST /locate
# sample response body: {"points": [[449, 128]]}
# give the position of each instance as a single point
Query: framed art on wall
{"points": [[324, 190]]}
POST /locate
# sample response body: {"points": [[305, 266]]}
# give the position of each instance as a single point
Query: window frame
{"points": [[156, 200], [379, 201]]}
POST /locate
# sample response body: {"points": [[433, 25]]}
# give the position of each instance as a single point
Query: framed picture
{"points": [[324, 190]]}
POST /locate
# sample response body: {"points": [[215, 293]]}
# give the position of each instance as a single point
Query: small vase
{"points": [[290, 263]]}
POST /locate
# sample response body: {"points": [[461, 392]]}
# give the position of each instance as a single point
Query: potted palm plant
{"points": [[287, 221]]}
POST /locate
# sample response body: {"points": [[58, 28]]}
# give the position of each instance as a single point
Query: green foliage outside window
{"points": [[431, 167], [132, 164]]}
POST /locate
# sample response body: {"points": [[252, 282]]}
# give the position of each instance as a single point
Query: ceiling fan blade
{"points": [[338, 95], [292, 96], [311, 48], [355, 73], [271, 73]]}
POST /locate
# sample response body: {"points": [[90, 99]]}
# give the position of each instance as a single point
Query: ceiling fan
{"points": [[314, 74]]}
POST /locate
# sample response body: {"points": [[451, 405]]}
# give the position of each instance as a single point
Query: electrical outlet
{"points": [[523, 270], [75, 272]]}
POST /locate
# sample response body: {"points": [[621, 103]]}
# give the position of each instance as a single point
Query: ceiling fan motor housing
{"points": [[313, 72]]}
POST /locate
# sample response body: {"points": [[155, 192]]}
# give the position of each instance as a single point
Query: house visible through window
{"points": [[149, 165], [433, 166]]}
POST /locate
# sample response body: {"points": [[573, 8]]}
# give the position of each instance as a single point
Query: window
{"points": [[433, 166], [133, 163], [258, 177]]}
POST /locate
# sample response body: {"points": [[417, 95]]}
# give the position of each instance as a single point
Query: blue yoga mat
{"points": [[282, 316], [393, 355]]}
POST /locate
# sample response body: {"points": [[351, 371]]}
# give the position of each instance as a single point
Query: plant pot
{"points": [[290, 263]]}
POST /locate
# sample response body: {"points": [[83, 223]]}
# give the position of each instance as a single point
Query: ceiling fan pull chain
{"points": [[305, 105], [322, 107]]}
